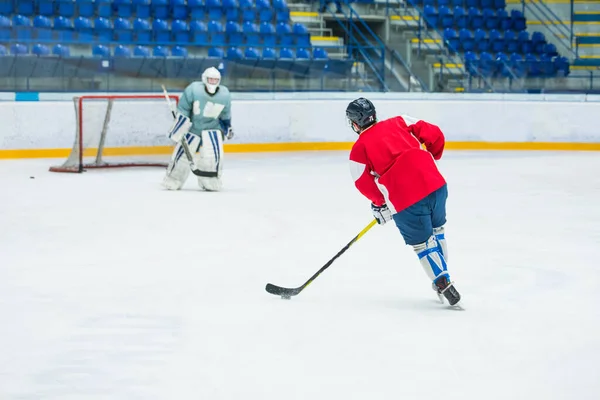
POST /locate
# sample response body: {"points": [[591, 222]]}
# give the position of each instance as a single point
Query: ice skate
{"points": [[445, 288]]}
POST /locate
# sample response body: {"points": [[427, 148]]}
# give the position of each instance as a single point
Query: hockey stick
{"points": [[186, 148], [286, 293]]}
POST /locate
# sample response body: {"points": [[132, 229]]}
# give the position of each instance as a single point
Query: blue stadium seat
{"points": [[18, 49], [251, 53], [123, 30], [196, 8], [471, 64], [286, 53], [124, 8], [481, 40], [179, 51], [510, 42], [103, 29], [22, 26], [267, 34], [302, 53], [431, 15], [265, 11], [160, 51], [199, 32], [502, 66], [232, 9], [538, 41], [525, 45], [467, 42], [282, 11], [475, 18], [5, 28], [446, 18], [6, 8], [64, 29], [83, 28], [471, 3], [561, 66], [61, 50], [547, 66], [25, 7], [248, 11], [141, 51], [497, 43], [284, 31], [487, 65], [3, 50], [504, 21], [179, 9], [142, 10], [142, 30], [499, 3], [46, 7], [460, 18], [518, 20], [234, 33], [216, 33], [162, 33], [486, 4], [181, 31], [43, 27], [215, 52], [40, 50], [66, 8], [550, 50], [215, 9], [100, 50], [445, 3], [160, 9], [320, 54], [490, 19], [122, 51], [104, 8], [302, 37], [234, 53], [251, 33], [85, 8], [269, 53], [451, 40], [517, 64], [532, 66], [456, 3]]}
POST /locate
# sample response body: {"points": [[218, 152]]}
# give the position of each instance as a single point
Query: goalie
{"points": [[203, 120]]}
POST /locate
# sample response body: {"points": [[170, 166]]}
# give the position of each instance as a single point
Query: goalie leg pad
{"points": [[431, 258], [178, 169], [209, 158]]}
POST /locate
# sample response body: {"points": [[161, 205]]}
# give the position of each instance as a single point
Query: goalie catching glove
{"points": [[381, 213]]}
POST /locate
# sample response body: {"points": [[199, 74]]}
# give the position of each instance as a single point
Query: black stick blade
{"points": [[281, 291]]}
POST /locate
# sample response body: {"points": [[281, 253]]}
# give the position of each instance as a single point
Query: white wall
{"points": [[301, 117]]}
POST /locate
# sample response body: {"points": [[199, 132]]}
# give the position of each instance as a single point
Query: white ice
{"points": [[112, 288]]}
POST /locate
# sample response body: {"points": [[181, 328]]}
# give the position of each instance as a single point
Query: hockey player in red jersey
{"points": [[393, 165]]}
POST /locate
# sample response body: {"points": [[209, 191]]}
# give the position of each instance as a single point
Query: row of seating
{"points": [[473, 18], [123, 30], [496, 41], [176, 9], [515, 65], [233, 52]]}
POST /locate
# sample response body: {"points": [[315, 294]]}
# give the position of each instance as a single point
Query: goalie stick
{"points": [[286, 293], [186, 148]]}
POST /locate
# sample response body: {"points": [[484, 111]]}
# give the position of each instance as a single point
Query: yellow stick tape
{"points": [[298, 146]]}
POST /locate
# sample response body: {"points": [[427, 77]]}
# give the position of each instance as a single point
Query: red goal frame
{"points": [[80, 166]]}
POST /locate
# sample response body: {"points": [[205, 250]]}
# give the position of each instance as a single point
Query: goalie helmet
{"points": [[360, 114], [211, 78]]}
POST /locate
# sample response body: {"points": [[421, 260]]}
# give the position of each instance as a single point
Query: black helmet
{"points": [[362, 113]]}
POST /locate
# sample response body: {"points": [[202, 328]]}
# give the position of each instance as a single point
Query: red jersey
{"points": [[389, 166]]}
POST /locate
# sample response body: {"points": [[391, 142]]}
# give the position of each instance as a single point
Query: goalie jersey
{"points": [[206, 112]]}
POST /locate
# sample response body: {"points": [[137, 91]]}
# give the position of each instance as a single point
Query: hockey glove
{"points": [[381, 213]]}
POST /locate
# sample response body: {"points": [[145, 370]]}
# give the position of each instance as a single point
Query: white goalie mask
{"points": [[211, 78]]}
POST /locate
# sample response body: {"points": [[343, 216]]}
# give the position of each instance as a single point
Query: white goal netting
{"points": [[119, 131]]}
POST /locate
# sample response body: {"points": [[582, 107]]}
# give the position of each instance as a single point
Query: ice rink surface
{"points": [[112, 288]]}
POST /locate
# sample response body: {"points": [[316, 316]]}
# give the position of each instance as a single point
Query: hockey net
{"points": [[116, 131]]}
